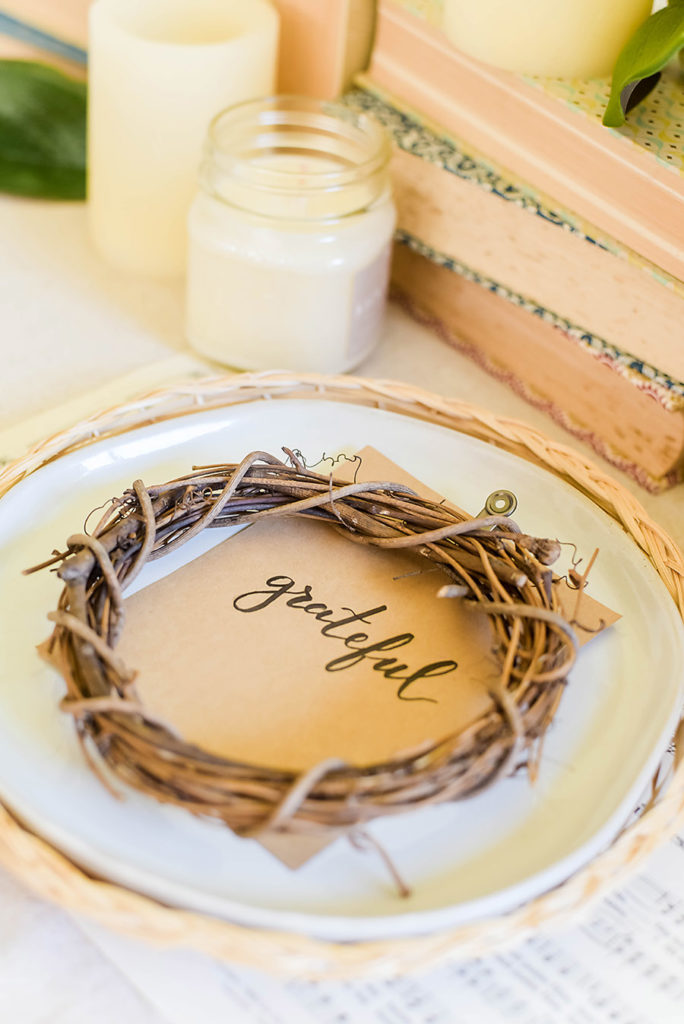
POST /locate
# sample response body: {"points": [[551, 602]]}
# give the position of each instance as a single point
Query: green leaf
{"points": [[653, 44], [42, 131]]}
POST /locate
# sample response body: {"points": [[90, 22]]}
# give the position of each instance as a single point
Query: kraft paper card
{"points": [[287, 644]]}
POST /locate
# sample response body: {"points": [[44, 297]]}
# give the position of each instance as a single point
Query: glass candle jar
{"points": [[290, 237]]}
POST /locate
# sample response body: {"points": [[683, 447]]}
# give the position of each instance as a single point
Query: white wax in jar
{"points": [[288, 299], [551, 38], [159, 70], [288, 287]]}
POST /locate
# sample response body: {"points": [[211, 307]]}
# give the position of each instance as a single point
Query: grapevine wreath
{"points": [[488, 562]]}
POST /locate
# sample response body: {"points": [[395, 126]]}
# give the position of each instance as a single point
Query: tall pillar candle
{"points": [[553, 38], [159, 71]]}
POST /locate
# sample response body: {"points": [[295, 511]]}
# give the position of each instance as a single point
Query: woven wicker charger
{"points": [[51, 875]]}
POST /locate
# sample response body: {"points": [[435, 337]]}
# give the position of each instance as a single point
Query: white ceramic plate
{"points": [[464, 861]]}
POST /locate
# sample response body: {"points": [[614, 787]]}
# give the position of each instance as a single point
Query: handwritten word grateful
{"points": [[358, 650]]}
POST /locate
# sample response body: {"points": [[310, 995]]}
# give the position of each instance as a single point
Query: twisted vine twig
{"points": [[499, 570]]}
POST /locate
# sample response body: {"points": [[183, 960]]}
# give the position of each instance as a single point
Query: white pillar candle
{"points": [[552, 38], [159, 71]]}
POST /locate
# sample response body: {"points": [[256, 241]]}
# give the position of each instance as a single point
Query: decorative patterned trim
{"points": [[423, 138], [666, 390], [413, 137], [653, 484]]}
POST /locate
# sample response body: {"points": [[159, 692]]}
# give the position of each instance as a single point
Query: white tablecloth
{"points": [[70, 327]]}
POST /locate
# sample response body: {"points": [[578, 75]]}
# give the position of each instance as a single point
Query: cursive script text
{"points": [[336, 627]]}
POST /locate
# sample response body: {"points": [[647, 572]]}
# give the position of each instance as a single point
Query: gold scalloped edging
{"points": [[51, 875]]}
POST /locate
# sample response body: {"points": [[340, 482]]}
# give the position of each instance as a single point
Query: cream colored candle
{"points": [[159, 71], [552, 38], [290, 237]]}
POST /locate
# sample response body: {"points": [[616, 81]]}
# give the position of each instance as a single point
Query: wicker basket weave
{"points": [[51, 875]]}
